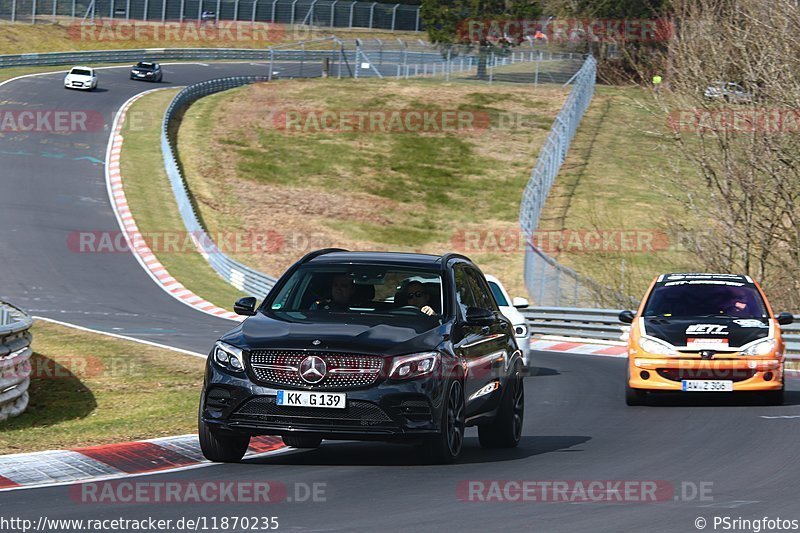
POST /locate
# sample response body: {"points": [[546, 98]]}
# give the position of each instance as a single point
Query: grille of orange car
{"points": [[679, 374]]}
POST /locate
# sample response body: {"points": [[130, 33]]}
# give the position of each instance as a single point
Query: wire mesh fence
{"points": [[548, 282], [321, 13]]}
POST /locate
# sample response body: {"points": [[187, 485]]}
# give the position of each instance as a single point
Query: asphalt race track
{"points": [[54, 185], [709, 456], [577, 428]]}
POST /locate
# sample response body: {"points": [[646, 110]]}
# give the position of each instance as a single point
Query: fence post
{"points": [[14, 10], [146, 8], [372, 13], [183, 13], [358, 59], [341, 57], [394, 16], [294, 9], [200, 11], [333, 13], [55, 6], [236, 11], [274, 2], [302, 59], [253, 16], [352, 7], [33, 12], [111, 9], [491, 68], [163, 11], [271, 62], [73, 9], [447, 75], [216, 19], [127, 9]]}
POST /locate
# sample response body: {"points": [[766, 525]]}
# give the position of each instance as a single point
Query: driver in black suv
{"points": [[364, 365]]}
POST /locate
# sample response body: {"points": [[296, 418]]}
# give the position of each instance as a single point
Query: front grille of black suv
{"points": [[344, 371], [357, 413]]}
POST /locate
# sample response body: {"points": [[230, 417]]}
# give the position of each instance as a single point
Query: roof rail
{"points": [[452, 255], [316, 253]]}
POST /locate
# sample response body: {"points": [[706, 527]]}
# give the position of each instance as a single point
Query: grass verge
{"points": [[614, 180], [153, 205], [367, 189], [89, 389], [65, 36]]}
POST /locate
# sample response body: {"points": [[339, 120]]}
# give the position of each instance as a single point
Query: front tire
{"points": [[445, 447], [634, 396], [506, 429], [221, 448], [774, 397]]}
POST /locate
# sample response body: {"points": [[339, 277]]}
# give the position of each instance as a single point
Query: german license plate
{"points": [[703, 385], [331, 400]]}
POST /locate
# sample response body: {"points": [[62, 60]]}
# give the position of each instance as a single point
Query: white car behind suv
{"points": [[510, 310], [81, 78]]}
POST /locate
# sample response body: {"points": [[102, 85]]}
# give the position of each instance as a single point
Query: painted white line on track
{"points": [[118, 336]]}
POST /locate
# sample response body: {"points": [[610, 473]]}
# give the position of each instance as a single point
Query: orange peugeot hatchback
{"points": [[705, 333]]}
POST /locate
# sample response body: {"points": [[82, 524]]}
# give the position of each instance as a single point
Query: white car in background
{"points": [[511, 311], [84, 78]]}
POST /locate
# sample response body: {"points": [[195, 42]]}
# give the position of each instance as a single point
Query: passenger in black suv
{"points": [[370, 369]]}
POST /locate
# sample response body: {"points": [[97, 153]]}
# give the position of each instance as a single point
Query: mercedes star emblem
{"points": [[313, 369]]}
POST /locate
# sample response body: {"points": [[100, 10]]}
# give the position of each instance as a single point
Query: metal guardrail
{"points": [[604, 324], [15, 366], [205, 54], [240, 276]]}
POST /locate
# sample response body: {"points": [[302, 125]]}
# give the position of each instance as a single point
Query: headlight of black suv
{"points": [[414, 365], [229, 357]]}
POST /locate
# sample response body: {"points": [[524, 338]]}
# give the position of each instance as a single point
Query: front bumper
{"points": [[388, 410], [747, 374]]}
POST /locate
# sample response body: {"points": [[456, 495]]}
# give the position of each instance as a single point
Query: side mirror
{"points": [[785, 319], [626, 317], [245, 306], [480, 317], [520, 303]]}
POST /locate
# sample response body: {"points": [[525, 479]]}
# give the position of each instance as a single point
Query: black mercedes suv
{"points": [[366, 346]]}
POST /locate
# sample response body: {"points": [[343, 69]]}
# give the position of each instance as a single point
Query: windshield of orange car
{"points": [[693, 299]]}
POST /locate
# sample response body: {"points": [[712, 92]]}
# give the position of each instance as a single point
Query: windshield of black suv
{"points": [[393, 293], [713, 298]]}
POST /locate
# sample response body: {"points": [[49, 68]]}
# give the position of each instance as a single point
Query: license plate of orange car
{"points": [[706, 385]]}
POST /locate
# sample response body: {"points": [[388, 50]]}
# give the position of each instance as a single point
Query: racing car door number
{"points": [[704, 385]]}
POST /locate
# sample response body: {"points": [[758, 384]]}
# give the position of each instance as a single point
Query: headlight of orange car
{"points": [[762, 347], [656, 347]]}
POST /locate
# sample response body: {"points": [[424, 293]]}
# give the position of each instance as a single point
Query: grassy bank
{"points": [[90, 389], [616, 179], [252, 169], [67, 35]]}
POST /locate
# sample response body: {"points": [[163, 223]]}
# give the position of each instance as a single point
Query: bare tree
{"points": [[741, 199]]}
